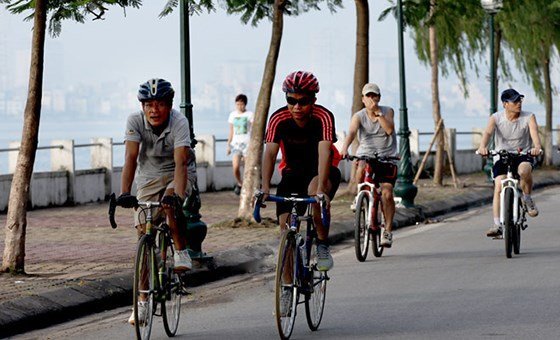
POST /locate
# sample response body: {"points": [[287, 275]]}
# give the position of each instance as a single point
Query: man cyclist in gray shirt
{"points": [[157, 148], [375, 127], [515, 130]]}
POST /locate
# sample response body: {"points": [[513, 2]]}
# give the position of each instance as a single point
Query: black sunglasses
{"points": [[302, 101]]}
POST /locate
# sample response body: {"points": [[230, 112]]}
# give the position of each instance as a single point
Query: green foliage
{"points": [[255, 10], [195, 7], [460, 33], [60, 10], [532, 32]]}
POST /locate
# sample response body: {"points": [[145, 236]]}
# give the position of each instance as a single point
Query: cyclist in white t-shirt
{"points": [[240, 121]]}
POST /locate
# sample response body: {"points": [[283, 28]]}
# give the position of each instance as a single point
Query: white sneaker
{"points": [[387, 239], [142, 313], [182, 260]]}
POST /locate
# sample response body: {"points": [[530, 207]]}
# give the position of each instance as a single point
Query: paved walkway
{"points": [[76, 264]]}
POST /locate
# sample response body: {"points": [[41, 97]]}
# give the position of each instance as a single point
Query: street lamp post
{"points": [[186, 105], [404, 187], [492, 7]]}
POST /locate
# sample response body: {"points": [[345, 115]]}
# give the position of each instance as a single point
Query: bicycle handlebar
{"points": [[113, 206], [375, 157], [279, 199], [516, 153]]}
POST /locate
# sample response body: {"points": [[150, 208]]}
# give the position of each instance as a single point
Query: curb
{"points": [[85, 297]]}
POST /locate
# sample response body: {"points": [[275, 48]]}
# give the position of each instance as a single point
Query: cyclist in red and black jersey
{"points": [[305, 133]]}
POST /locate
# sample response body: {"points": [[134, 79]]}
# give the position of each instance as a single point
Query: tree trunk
{"points": [[548, 107], [361, 71], [16, 222], [436, 113], [252, 171]]}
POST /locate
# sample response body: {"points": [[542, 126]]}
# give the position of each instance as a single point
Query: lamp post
{"points": [[186, 105], [492, 7], [404, 187]]}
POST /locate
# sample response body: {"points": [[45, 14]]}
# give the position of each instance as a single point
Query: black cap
{"points": [[510, 95]]}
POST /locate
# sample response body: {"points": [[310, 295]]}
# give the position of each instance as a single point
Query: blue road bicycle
{"points": [[297, 278]]}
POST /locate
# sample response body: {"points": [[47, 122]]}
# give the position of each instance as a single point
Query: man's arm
{"points": [[180, 176], [482, 150], [352, 132], [387, 122], [269, 160], [534, 131], [130, 163], [230, 137], [324, 165]]}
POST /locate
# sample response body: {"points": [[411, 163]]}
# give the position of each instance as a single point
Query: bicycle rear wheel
{"points": [[171, 306], [286, 292], [508, 221], [143, 288], [376, 246], [361, 228], [315, 297]]}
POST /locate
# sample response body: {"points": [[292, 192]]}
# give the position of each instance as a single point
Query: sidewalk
{"points": [[77, 265]]}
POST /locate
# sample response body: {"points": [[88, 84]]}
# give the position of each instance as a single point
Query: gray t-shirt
{"points": [[512, 135], [155, 157], [373, 138]]}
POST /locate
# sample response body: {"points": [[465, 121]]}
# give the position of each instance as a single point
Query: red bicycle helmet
{"points": [[300, 81]]}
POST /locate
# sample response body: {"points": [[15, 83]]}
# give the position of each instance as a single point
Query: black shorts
{"points": [[296, 184], [384, 173], [499, 168]]}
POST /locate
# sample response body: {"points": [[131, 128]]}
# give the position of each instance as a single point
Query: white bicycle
{"points": [[512, 210]]}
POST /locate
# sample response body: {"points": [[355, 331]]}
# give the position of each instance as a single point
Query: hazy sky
{"points": [[139, 46]]}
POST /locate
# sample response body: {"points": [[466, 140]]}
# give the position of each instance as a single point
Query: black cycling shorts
{"points": [[296, 184], [499, 168], [384, 172]]}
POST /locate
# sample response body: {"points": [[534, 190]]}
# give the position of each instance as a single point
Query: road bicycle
{"points": [[512, 210], [155, 281], [296, 270], [369, 222]]}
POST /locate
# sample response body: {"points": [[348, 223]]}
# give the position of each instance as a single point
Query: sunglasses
{"points": [[519, 100], [302, 101]]}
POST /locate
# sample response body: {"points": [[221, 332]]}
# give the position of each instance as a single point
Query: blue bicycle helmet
{"points": [[155, 89]]}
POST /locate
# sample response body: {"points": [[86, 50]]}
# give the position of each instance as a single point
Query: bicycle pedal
{"points": [[524, 226]]}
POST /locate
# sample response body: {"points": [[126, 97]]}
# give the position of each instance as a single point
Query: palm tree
{"points": [[447, 34], [255, 11], [531, 29], [361, 70], [16, 222]]}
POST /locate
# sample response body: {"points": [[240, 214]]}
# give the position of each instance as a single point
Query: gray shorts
{"points": [[154, 191]]}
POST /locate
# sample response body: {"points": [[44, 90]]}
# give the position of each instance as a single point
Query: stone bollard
{"points": [[63, 159], [102, 157], [414, 140], [13, 156]]}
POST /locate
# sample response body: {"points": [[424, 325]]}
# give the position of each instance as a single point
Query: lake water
{"points": [[83, 130]]}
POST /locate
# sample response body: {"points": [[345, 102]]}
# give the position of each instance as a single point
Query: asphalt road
{"points": [[440, 281]]}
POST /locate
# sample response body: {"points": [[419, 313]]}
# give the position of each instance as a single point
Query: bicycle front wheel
{"points": [[376, 246], [171, 305], [144, 287], [286, 289], [361, 228], [508, 221], [315, 298], [517, 233]]}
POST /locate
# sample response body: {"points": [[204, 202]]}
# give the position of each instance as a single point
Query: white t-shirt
{"points": [[241, 126]]}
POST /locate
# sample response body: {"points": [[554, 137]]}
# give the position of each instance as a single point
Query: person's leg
{"points": [[525, 171], [495, 229], [236, 162], [388, 205], [322, 231]]}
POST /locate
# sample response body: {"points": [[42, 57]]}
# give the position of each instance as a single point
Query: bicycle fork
{"points": [[509, 184]]}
